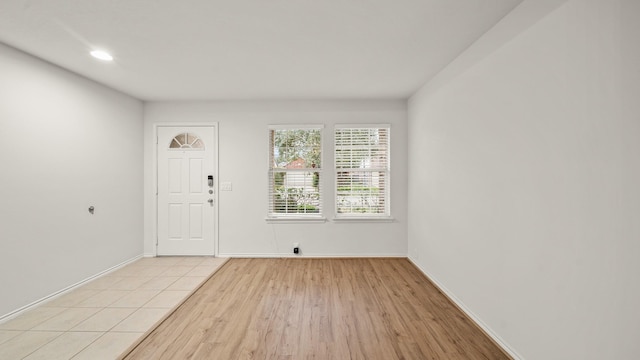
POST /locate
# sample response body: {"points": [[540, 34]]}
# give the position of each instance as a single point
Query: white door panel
{"points": [[186, 202]]}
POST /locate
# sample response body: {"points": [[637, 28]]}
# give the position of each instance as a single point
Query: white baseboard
{"points": [[308, 256], [487, 330], [13, 314]]}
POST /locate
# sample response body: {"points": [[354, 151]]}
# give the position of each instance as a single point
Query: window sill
{"points": [[356, 219], [295, 220]]}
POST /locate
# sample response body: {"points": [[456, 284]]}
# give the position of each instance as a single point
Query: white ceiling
{"points": [[252, 49]]}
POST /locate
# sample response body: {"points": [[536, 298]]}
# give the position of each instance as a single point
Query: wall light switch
{"points": [[226, 186]]}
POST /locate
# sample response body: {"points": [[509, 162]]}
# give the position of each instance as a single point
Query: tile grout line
{"points": [[41, 346], [12, 315], [89, 344], [168, 314], [167, 311]]}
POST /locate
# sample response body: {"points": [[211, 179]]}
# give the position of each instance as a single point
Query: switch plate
{"points": [[226, 186]]}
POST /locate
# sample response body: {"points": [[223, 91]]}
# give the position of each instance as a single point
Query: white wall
{"points": [[524, 178], [67, 143], [243, 160]]}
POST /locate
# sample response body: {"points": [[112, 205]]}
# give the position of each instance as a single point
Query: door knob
{"points": [[210, 201]]}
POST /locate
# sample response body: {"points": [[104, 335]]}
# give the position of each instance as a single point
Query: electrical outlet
{"points": [[296, 248]]}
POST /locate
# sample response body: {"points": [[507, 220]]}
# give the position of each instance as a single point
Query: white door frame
{"points": [[215, 177]]}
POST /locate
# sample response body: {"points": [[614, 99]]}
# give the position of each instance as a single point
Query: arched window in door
{"points": [[186, 141]]}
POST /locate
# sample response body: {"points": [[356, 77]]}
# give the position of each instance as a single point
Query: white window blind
{"points": [[362, 165], [295, 172]]}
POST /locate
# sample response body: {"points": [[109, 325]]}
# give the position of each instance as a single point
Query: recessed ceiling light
{"points": [[102, 55]]}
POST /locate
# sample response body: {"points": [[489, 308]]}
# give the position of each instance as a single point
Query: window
{"points": [[186, 141], [362, 171], [295, 172]]}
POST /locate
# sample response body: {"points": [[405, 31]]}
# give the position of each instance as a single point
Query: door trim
{"points": [[214, 125]]}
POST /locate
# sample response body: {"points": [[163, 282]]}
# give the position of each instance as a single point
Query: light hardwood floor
{"points": [[317, 309]]}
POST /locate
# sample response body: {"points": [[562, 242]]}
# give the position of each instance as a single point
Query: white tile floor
{"points": [[104, 317]]}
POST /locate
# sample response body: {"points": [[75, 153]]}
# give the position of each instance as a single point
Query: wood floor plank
{"points": [[317, 309]]}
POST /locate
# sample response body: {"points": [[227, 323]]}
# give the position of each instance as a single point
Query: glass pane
{"points": [[186, 141], [361, 148], [295, 192], [198, 144], [361, 192], [181, 139], [296, 148]]}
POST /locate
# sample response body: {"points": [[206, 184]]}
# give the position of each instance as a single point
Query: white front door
{"points": [[186, 190]]}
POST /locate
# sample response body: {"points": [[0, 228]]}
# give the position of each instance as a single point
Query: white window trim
{"points": [[364, 219], [387, 217], [362, 126], [296, 126], [297, 218]]}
